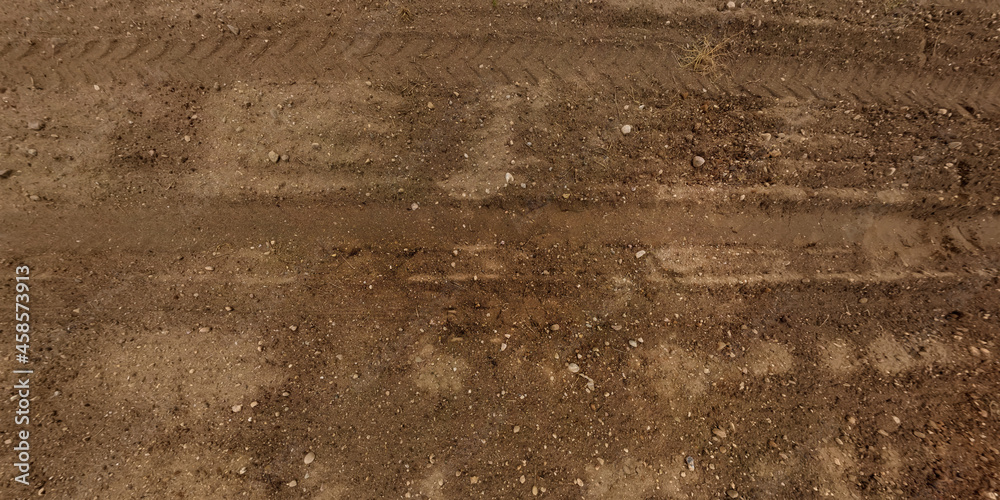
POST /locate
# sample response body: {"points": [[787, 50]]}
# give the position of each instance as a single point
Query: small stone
{"points": [[209, 268], [863, 300], [690, 462], [271, 155], [414, 206], [616, 327], [187, 138], [973, 350], [633, 343], [639, 254], [719, 432], [474, 479], [293, 327], [292, 484], [34, 197], [920, 435], [237, 408], [234, 29], [942, 111], [697, 161], [5, 173], [896, 419], [554, 328], [35, 125], [509, 177], [574, 368], [430, 105], [253, 404], [534, 490], [883, 432], [731, 6], [766, 136], [954, 145], [626, 129], [732, 493], [32, 152], [284, 157], [775, 153], [517, 428], [309, 458], [205, 329]]}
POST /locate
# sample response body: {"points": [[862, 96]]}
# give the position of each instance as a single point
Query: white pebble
{"points": [[626, 129], [639, 254], [309, 458], [574, 368]]}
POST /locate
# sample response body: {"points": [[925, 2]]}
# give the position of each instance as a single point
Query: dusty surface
{"points": [[810, 313]]}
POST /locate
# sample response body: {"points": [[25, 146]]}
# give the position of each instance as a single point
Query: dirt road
{"points": [[601, 250]]}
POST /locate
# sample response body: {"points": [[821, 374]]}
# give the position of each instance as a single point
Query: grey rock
{"points": [[697, 161]]}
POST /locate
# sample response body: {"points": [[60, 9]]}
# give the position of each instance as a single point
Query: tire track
{"points": [[432, 57]]}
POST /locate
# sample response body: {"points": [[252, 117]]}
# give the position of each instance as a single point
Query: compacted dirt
{"points": [[360, 250]]}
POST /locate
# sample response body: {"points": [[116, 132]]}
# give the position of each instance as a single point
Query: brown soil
{"points": [[810, 313]]}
